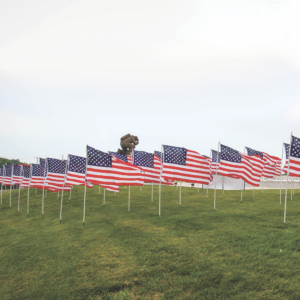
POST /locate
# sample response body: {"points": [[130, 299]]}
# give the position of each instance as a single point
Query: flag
{"points": [[123, 157], [272, 163], [210, 166], [17, 176], [76, 171], [8, 168], [42, 161], [185, 165], [287, 155], [149, 163], [106, 170], [37, 176], [215, 160], [1, 174], [238, 165], [295, 157], [25, 176], [56, 173]]}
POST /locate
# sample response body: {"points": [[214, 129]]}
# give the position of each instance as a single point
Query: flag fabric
{"points": [[1, 174], [163, 180], [272, 163], [210, 166], [239, 165], [185, 165], [295, 157], [76, 171], [215, 160], [149, 163], [158, 153], [56, 174], [25, 176], [106, 170], [287, 155], [8, 169], [17, 174], [37, 173], [42, 161], [123, 157]]}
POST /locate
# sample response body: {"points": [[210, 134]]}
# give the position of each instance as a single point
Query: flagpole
{"points": [[161, 167], [244, 181], [215, 193], [129, 198], [84, 197], [62, 192], [10, 195], [287, 176], [30, 173], [180, 194], [282, 166], [44, 188], [19, 191], [103, 196], [152, 193], [292, 183]]}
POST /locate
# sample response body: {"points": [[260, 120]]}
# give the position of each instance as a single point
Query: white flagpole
{"points": [[30, 173], [287, 176], [19, 193], [10, 195], [292, 188], [282, 166], [62, 192], [103, 196], [84, 197], [36, 163], [44, 187], [129, 198], [152, 193], [161, 168], [215, 193], [180, 194], [244, 181]]}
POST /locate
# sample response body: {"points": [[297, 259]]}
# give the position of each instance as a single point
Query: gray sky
{"points": [[182, 73]]}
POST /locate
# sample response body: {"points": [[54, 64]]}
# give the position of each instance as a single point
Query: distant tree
{"points": [[8, 161]]}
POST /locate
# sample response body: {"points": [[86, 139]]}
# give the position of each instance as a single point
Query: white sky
{"points": [[182, 73]]}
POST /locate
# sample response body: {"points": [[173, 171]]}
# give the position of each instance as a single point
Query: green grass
{"points": [[190, 252]]}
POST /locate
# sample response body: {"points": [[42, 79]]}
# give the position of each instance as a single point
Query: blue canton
{"points": [[77, 164], [42, 161], [120, 156], [56, 165], [8, 170], [216, 156], [158, 153], [26, 172], [295, 150], [174, 155], [206, 156], [254, 152], [38, 170], [98, 158], [143, 159], [287, 150], [17, 170], [230, 154]]}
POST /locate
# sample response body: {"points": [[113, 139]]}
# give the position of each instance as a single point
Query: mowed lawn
{"points": [[241, 251]]}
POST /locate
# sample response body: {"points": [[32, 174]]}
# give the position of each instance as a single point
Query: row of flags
{"points": [[112, 170]]}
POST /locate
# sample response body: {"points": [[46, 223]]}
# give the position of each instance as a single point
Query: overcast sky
{"points": [[182, 73]]}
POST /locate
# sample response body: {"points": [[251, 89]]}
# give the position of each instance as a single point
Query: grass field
{"points": [[241, 251]]}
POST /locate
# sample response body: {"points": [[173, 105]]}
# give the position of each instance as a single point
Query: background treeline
{"points": [[9, 161]]}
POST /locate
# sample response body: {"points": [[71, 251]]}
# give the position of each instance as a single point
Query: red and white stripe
{"points": [[294, 166], [16, 179], [25, 182], [121, 173], [250, 169], [195, 170]]}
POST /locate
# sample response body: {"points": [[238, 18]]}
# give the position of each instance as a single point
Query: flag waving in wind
{"points": [[121, 156], [238, 165], [215, 158], [25, 177], [295, 157], [17, 176], [185, 165], [106, 170], [287, 155], [272, 163]]}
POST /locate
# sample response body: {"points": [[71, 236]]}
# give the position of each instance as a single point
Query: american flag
{"points": [[7, 174], [56, 174], [149, 163], [287, 153], [215, 158], [123, 157], [1, 174], [106, 170], [210, 165], [76, 171], [158, 153], [17, 175], [25, 176], [42, 161], [185, 165], [37, 176], [272, 163], [295, 157], [238, 165]]}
